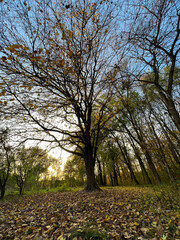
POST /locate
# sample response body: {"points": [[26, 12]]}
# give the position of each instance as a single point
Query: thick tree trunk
{"points": [[91, 184]]}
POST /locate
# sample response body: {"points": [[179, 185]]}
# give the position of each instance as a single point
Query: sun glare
{"points": [[51, 171]]}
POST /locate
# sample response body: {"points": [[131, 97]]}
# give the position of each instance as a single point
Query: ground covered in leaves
{"points": [[114, 213]]}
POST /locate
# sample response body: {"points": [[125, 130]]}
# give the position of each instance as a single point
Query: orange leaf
{"points": [[63, 36]]}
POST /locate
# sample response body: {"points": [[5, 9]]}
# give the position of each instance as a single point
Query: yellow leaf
{"points": [[25, 3], [38, 58], [35, 106], [25, 48], [57, 34], [29, 8], [70, 34]]}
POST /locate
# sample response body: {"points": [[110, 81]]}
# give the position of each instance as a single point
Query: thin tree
{"points": [[6, 158], [154, 38]]}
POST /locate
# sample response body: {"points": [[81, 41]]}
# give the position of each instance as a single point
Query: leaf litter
{"points": [[118, 213]]}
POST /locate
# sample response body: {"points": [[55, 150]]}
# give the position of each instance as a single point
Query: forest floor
{"points": [[115, 213]]}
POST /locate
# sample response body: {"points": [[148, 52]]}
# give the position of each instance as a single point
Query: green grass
{"points": [[12, 195], [89, 231], [165, 193]]}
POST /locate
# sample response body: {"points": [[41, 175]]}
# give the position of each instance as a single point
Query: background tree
{"points": [[30, 163], [155, 44], [74, 171], [6, 159]]}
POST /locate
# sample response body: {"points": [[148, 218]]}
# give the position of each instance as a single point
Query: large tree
{"points": [[54, 63]]}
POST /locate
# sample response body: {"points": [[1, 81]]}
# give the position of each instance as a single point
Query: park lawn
{"points": [[114, 213]]}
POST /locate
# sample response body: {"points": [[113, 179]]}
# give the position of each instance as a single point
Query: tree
{"points": [[59, 53], [30, 162], [155, 44], [74, 171], [6, 158]]}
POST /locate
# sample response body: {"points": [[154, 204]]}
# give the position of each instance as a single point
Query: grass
{"points": [[15, 194], [164, 193], [89, 231]]}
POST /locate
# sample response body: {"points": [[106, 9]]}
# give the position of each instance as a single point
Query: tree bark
{"points": [[143, 169], [173, 113], [162, 154], [2, 191], [128, 162], [91, 184], [171, 145], [100, 172], [115, 177]]}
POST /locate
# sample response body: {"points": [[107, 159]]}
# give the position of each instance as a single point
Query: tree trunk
{"points": [[119, 173], [91, 184], [168, 101], [152, 166], [100, 172], [115, 177], [21, 187], [171, 145], [127, 161], [162, 154], [143, 169], [104, 175], [111, 179], [2, 191]]}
